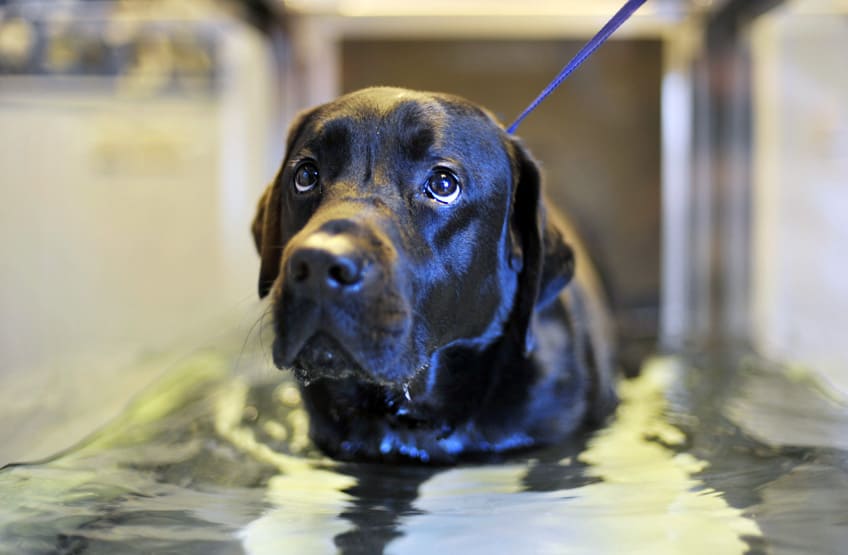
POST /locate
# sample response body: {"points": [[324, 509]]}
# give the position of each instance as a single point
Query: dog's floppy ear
{"points": [[547, 262], [267, 236], [267, 224]]}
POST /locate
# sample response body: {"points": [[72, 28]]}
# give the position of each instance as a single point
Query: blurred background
{"points": [[703, 153]]}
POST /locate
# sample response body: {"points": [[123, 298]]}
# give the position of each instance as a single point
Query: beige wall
{"points": [[800, 273], [124, 233]]}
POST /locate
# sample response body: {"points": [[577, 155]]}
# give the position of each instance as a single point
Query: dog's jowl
{"points": [[427, 302]]}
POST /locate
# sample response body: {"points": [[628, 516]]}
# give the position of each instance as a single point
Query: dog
{"points": [[430, 306]]}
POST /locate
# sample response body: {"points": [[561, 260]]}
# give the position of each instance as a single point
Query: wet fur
{"points": [[477, 327]]}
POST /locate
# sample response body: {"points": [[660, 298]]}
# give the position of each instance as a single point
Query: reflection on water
{"points": [[697, 460]]}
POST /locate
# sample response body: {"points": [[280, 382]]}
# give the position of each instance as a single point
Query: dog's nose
{"points": [[324, 263]]}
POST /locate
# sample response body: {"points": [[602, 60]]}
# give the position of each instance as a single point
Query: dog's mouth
{"points": [[322, 356]]}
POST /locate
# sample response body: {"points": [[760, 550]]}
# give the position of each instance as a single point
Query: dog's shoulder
{"points": [[580, 317]]}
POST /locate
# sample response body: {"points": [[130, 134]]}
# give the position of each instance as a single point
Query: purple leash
{"points": [[614, 23]]}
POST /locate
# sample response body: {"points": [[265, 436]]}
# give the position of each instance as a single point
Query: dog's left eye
{"points": [[443, 186], [305, 177]]}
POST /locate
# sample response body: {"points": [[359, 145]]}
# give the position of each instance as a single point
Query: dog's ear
{"points": [[546, 261], [267, 236], [267, 224]]}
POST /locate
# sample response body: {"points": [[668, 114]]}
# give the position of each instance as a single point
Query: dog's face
{"points": [[401, 224]]}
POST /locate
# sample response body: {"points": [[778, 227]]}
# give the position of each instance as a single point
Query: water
{"points": [[721, 455]]}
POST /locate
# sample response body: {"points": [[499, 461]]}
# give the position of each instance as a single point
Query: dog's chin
{"points": [[323, 357]]}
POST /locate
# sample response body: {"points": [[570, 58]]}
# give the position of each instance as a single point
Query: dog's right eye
{"points": [[305, 177], [442, 186]]}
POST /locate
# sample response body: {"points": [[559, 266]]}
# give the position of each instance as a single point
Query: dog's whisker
{"points": [[264, 323], [245, 342]]}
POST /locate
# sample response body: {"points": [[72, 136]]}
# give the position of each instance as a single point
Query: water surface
{"points": [[713, 455]]}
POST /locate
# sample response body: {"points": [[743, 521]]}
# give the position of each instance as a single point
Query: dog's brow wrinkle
{"points": [[334, 143], [418, 143], [417, 124], [369, 157], [336, 133]]}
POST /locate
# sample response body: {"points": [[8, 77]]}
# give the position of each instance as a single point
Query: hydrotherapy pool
{"points": [[711, 454]]}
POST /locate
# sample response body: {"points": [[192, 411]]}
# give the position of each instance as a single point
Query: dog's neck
{"points": [[463, 387]]}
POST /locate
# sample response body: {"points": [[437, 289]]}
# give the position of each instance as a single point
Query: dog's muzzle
{"points": [[335, 309], [325, 269]]}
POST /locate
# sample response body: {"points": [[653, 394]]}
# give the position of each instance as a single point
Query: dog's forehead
{"points": [[411, 118]]}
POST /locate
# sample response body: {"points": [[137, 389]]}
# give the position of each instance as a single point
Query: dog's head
{"points": [[400, 224]]}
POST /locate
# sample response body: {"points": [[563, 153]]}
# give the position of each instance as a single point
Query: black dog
{"points": [[421, 294]]}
